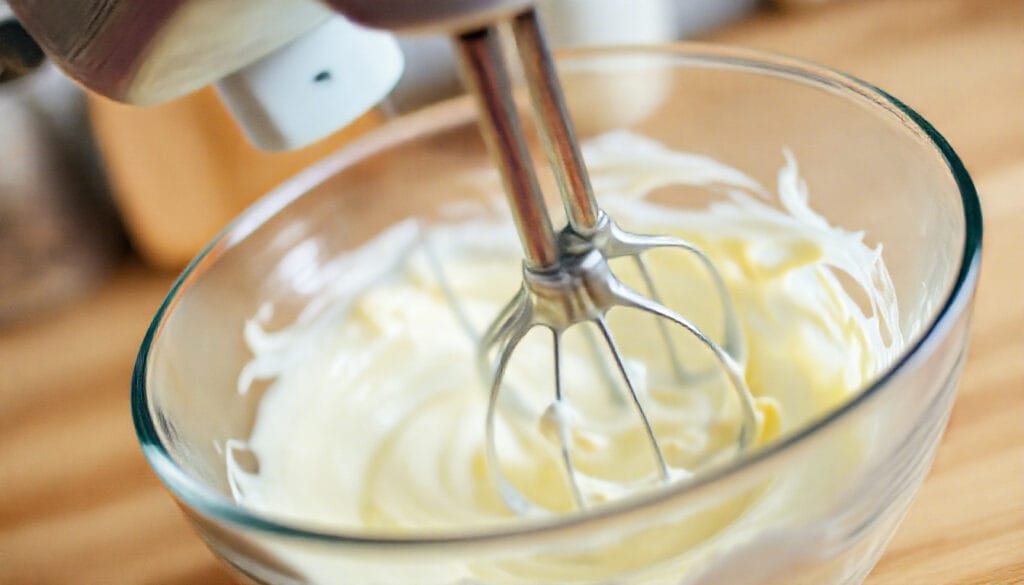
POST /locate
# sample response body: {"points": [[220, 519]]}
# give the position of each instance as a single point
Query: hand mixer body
{"points": [[264, 55], [145, 52]]}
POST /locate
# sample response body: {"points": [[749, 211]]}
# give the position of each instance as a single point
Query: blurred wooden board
{"points": [[78, 504]]}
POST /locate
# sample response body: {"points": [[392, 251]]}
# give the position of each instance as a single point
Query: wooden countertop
{"points": [[78, 503]]}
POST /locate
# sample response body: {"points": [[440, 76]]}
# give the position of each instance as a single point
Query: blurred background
{"points": [[101, 204]]}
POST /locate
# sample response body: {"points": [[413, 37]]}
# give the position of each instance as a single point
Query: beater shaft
{"points": [[485, 71], [554, 122]]}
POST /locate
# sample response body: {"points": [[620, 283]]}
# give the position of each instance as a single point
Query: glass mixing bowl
{"points": [[870, 163]]}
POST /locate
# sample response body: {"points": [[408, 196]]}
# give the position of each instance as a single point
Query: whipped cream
{"points": [[373, 419]]}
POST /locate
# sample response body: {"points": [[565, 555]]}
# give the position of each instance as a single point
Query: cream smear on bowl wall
{"points": [[373, 419]]}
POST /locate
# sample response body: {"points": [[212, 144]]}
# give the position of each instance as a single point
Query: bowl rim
{"points": [[213, 504]]}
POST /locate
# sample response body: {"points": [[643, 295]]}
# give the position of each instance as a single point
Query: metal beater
{"points": [[567, 280]]}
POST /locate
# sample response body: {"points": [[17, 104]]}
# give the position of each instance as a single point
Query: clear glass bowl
{"points": [[870, 163]]}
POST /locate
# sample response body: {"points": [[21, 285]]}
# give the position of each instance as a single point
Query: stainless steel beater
{"points": [[567, 280]]}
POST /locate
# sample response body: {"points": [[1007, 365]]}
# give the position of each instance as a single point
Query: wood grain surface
{"points": [[78, 503]]}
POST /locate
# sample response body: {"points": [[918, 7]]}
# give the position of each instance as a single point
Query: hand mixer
{"points": [[567, 279]]}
